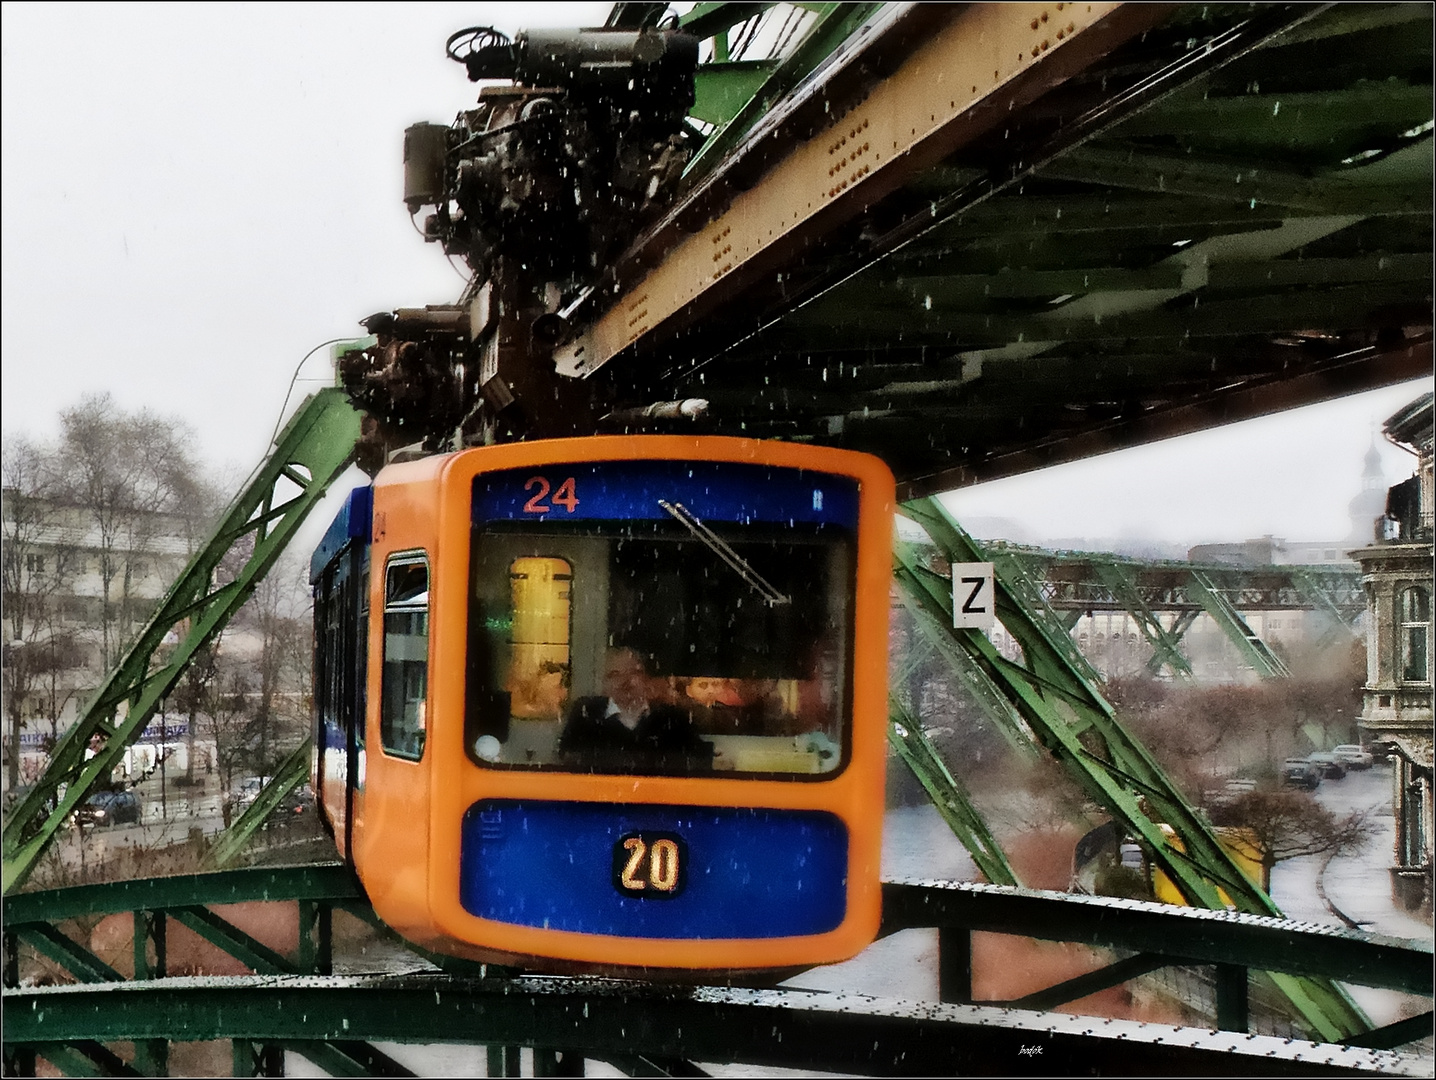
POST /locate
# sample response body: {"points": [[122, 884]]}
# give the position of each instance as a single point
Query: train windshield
{"points": [[661, 618]]}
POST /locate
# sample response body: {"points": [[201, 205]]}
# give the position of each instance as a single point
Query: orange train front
{"points": [[611, 703]]}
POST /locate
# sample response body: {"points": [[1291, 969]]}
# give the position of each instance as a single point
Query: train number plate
{"points": [[650, 865]]}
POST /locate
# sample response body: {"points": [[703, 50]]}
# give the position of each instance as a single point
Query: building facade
{"points": [[1397, 711], [76, 591]]}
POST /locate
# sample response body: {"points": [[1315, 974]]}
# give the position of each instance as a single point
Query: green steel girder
{"points": [[709, 20], [980, 688], [340, 1018], [63, 950], [603, 1019], [1165, 651], [1059, 704], [949, 797], [1114, 974], [1181, 935], [1204, 591], [1020, 575], [291, 773], [1072, 720], [331, 883], [219, 931], [84, 1057], [1317, 590], [309, 453], [721, 90]]}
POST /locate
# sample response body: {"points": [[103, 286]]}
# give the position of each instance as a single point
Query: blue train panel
{"points": [[631, 490], [678, 872], [353, 522]]}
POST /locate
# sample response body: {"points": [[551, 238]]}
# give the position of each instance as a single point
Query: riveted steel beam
{"points": [[933, 100], [314, 447]]}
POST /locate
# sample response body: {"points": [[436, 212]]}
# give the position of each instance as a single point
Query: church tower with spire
{"points": [[1370, 504]]}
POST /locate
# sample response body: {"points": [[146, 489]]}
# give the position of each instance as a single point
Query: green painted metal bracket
{"points": [[720, 90], [1069, 716], [1165, 652], [1204, 591], [309, 453], [951, 799], [73, 957], [290, 774], [834, 24]]}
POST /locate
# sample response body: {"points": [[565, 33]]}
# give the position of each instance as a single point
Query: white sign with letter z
{"points": [[973, 596]]}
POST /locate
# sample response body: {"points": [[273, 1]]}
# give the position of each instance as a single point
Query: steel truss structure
{"points": [[296, 1004], [1028, 232], [314, 447], [1073, 583]]}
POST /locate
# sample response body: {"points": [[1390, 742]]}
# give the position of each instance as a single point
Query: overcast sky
{"points": [[194, 196]]}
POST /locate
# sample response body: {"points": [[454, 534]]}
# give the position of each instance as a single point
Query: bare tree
{"points": [[37, 565], [123, 470], [1288, 824]]}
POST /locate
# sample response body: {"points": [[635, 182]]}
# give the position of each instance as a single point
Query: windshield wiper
{"points": [[715, 543]]}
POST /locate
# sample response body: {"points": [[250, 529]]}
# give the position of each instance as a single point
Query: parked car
{"points": [[1329, 764], [1231, 791], [109, 808], [247, 791], [293, 808], [1353, 756], [1301, 773]]}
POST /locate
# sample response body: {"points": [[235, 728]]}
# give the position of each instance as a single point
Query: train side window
{"points": [[404, 688]]}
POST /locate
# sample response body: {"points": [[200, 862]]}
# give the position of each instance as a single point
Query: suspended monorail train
{"points": [[611, 703]]}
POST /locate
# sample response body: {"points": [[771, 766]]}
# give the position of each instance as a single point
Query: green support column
{"points": [[1314, 587], [1067, 714], [309, 453], [292, 772], [1119, 580], [951, 799], [1180, 625], [152, 1056], [316, 937], [1204, 591]]}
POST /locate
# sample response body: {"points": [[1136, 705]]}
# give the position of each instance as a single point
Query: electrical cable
{"points": [[295, 378]]}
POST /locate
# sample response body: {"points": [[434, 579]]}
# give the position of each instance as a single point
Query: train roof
{"points": [[353, 522]]}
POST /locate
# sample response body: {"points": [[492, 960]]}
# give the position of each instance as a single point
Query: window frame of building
{"points": [[1413, 630]]}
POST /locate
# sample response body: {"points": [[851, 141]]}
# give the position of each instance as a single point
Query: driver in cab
{"points": [[634, 726]]}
